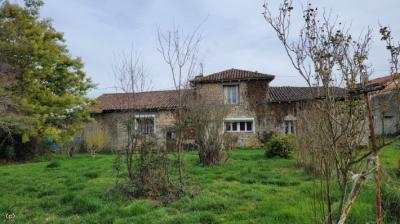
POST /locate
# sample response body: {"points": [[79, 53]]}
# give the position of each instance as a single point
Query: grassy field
{"points": [[249, 188]]}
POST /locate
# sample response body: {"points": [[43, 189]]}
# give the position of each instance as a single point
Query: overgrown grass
{"points": [[249, 188]]}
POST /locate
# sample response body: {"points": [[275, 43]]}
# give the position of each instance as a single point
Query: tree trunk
{"points": [[378, 199], [353, 197]]}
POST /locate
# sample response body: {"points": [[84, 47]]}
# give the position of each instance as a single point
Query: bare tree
{"points": [[179, 51], [130, 75], [146, 162], [394, 50], [326, 55], [206, 121]]}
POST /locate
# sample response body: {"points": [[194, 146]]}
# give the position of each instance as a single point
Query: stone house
{"points": [[254, 107], [386, 105]]}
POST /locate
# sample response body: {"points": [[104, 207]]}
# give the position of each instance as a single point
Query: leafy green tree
{"points": [[49, 85]]}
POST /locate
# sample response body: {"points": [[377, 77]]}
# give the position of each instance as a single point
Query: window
{"points": [[238, 126], [231, 94], [228, 126], [171, 135], [289, 127], [145, 125]]}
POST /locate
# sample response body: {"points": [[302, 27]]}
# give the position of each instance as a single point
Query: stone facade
{"points": [[114, 123], [386, 111], [243, 111], [254, 105], [253, 108]]}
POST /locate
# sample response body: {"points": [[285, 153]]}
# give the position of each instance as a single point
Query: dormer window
{"points": [[231, 94]]}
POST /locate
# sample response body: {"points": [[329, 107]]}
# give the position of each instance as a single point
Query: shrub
{"points": [[91, 175], [280, 146], [149, 174], [53, 165], [210, 146], [152, 172], [95, 138], [391, 203], [398, 165], [14, 149], [10, 153], [230, 140], [265, 136], [74, 145]]}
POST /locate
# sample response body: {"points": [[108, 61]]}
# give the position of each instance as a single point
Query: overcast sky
{"points": [[234, 34]]}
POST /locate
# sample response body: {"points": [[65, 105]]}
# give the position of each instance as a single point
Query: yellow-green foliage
{"points": [[95, 137], [281, 146], [49, 85]]}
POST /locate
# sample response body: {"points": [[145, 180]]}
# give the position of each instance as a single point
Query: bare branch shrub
{"points": [[152, 172], [206, 120], [327, 56], [230, 140], [146, 163], [95, 136], [75, 144], [179, 51]]}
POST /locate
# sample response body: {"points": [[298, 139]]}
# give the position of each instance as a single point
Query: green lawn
{"points": [[249, 188]]}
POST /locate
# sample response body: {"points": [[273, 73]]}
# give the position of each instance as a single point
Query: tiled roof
{"points": [[386, 81], [232, 75], [152, 100], [291, 94], [383, 80], [168, 100]]}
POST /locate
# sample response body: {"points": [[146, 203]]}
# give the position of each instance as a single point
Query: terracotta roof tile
{"points": [[152, 100], [383, 80], [291, 94], [232, 75], [386, 81]]}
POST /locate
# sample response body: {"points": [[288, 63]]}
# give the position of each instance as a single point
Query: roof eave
{"points": [[232, 80]]}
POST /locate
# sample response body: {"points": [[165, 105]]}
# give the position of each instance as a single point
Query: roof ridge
{"points": [[395, 76], [150, 91], [232, 74], [237, 69]]}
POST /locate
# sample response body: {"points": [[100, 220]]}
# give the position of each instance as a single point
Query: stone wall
{"points": [[268, 118], [386, 113], [114, 122]]}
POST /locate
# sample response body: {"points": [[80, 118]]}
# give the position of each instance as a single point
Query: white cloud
{"points": [[234, 34]]}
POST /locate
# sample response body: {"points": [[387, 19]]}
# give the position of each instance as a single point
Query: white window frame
{"points": [[146, 115], [290, 124], [226, 93], [238, 120]]}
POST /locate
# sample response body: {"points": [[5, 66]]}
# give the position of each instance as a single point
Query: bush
{"points": [[10, 153], [210, 147], [280, 146], [53, 165], [148, 175], [95, 137], [265, 136], [13, 148], [391, 203]]}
